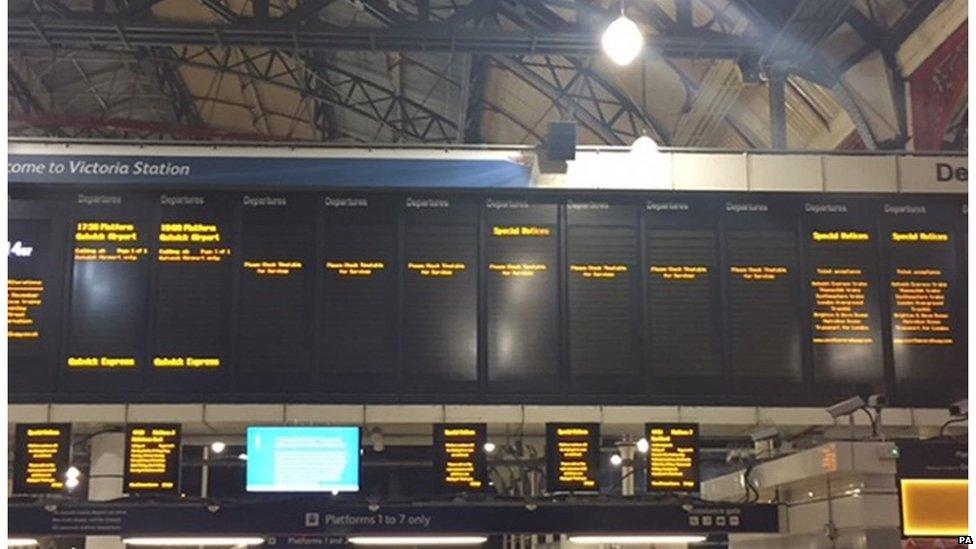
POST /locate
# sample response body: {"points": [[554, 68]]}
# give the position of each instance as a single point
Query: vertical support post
{"points": [[105, 479], [777, 108], [205, 473], [462, 120], [627, 450]]}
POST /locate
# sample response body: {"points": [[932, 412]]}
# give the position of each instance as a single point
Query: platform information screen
{"points": [[358, 275], [682, 276], [925, 292], [439, 334], [152, 459], [460, 461], [603, 294], [109, 283], [42, 456], [844, 292], [193, 261], [762, 292], [275, 269], [522, 292], [573, 457], [303, 459], [672, 457]]}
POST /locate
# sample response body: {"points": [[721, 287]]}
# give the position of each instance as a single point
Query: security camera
{"points": [[846, 407], [959, 408], [877, 401], [765, 433]]}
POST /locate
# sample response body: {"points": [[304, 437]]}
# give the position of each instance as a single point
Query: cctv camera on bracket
{"points": [[846, 407]]}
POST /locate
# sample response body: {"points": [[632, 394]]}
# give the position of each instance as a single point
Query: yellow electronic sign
{"points": [[152, 459], [41, 457], [573, 457], [672, 457], [459, 456]]}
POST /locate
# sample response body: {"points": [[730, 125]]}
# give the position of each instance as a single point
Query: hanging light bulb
{"points": [[623, 40]]}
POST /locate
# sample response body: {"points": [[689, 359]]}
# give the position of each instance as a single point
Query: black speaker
{"points": [[561, 143]]}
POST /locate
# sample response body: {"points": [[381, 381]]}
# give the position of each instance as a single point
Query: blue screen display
{"points": [[303, 459]]}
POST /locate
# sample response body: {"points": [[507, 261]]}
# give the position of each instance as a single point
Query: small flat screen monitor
{"points": [[303, 459]]}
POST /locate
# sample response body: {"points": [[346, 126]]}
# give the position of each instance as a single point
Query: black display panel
{"points": [[460, 461], [522, 294], [42, 456], [440, 293], [152, 459], [924, 291], [572, 457], [673, 460], [34, 289], [683, 300], [193, 256], [358, 314], [843, 294], [108, 310], [604, 297], [762, 294], [274, 303]]}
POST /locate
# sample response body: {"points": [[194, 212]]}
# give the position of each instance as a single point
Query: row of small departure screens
{"points": [[329, 458]]}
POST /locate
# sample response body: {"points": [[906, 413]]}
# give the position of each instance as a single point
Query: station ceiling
{"points": [[461, 71]]}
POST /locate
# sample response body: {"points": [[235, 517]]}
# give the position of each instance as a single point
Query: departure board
{"points": [[572, 457], [274, 324], [923, 293], [440, 291], [358, 316], [673, 460], [522, 294], [762, 292], [111, 241], [604, 297], [194, 260], [42, 455], [842, 275], [682, 289], [494, 296], [152, 459], [460, 462]]}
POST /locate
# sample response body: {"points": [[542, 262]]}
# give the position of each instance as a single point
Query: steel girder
{"points": [[92, 33]]}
